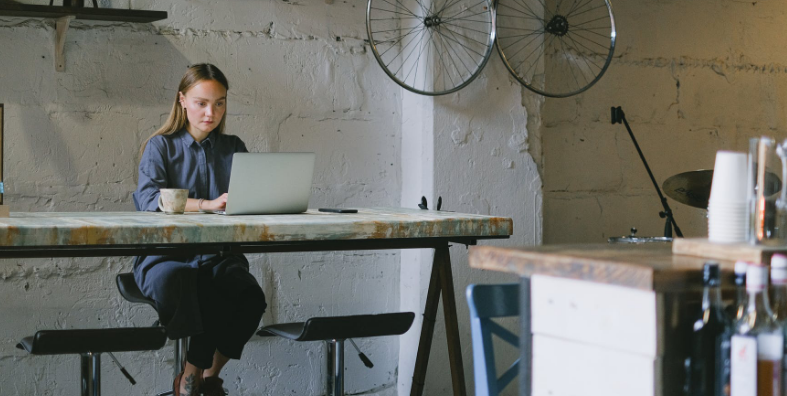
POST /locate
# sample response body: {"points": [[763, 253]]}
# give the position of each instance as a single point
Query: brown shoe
{"points": [[195, 391], [212, 386]]}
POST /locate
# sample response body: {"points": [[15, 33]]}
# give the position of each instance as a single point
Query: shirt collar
{"points": [[188, 140]]}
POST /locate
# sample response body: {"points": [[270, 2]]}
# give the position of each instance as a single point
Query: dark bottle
{"points": [[709, 359], [738, 306]]}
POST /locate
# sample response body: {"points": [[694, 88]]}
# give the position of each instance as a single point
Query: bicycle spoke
{"points": [[467, 28], [447, 6], [540, 31], [465, 10], [590, 21], [395, 12], [400, 40], [525, 46], [411, 54], [565, 51], [533, 12], [444, 37], [586, 11], [578, 7], [517, 10], [453, 33], [442, 62], [585, 58], [518, 35], [417, 61], [540, 55], [404, 61], [402, 6], [594, 42]]}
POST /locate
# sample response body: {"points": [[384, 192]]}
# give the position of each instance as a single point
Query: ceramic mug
{"points": [[173, 200]]}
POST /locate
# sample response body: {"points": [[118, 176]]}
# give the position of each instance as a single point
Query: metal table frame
{"points": [[440, 281]]}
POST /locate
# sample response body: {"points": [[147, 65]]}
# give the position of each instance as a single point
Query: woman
{"points": [[211, 298]]}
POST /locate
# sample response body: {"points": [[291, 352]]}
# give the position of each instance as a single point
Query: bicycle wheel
{"points": [[431, 47], [556, 48]]}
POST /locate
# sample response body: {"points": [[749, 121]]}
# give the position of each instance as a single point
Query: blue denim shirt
{"points": [[178, 161]]}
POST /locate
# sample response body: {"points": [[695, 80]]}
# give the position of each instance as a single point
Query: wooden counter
{"points": [[145, 228], [615, 319], [646, 267], [84, 234]]}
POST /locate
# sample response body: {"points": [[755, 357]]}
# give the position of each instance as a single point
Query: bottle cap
{"points": [[778, 260], [779, 269], [740, 273], [756, 277], [711, 274]]}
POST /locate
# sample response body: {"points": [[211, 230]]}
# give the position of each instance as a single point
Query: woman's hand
{"points": [[217, 204]]}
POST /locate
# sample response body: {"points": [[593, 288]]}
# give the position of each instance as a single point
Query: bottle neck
{"points": [[758, 301], [711, 296], [740, 292], [779, 301]]}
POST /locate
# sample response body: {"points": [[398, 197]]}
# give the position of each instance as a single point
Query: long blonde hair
{"points": [[177, 117]]}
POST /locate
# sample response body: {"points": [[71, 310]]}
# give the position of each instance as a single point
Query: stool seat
{"points": [[130, 291], [344, 327], [58, 342], [334, 330]]}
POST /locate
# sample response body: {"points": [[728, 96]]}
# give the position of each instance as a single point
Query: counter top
{"points": [[646, 266], [150, 228]]}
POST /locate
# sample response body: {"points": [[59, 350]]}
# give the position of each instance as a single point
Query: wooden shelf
{"points": [[89, 13], [702, 247], [65, 15]]}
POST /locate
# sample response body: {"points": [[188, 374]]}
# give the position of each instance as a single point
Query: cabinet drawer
{"points": [[613, 317], [567, 368]]}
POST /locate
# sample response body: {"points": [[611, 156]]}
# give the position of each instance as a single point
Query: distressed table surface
{"points": [[645, 266], [137, 228]]}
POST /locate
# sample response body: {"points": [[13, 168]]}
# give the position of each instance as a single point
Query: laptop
{"points": [[269, 183]]}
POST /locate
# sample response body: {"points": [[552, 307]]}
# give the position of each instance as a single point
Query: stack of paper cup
{"points": [[727, 207]]}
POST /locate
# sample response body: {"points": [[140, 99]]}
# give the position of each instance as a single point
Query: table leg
{"points": [[452, 325], [427, 328], [525, 339], [441, 280]]}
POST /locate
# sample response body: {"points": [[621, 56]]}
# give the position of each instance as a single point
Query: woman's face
{"points": [[205, 104]]}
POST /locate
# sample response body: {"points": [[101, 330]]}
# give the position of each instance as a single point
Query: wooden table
{"points": [[145, 233], [612, 317]]}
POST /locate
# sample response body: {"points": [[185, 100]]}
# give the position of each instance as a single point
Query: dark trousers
{"points": [[231, 307]]}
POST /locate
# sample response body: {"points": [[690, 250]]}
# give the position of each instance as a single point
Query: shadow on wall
{"points": [[72, 140]]}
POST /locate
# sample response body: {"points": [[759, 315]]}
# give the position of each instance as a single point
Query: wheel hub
{"points": [[432, 21], [558, 25]]}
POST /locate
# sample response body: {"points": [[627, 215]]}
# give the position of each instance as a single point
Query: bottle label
{"points": [[743, 366], [770, 352], [770, 346]]}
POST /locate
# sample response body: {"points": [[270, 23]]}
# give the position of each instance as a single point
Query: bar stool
{"points": [[335, 330], [90, 344], [130, 291]]}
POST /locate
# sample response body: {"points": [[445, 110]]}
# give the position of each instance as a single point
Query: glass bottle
{"points": [[779, 295], [779, 287], [757, 346], [738, 307], [709, 367]]}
